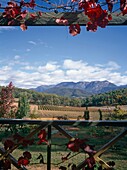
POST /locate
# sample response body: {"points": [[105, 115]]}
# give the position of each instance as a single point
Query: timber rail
{"points": [[59, 125]]}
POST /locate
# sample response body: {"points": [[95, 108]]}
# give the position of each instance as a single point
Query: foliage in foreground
{"points": [[8, 109]]}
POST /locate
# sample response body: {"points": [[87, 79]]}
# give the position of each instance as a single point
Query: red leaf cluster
{"points": [[96, 15], [42, 137], [8, 144], [110, 5], [30, 4], [23, 27], [123, 6], [90, 163], [25, 159], [6, 164], [14, 11], [25, 142], [74, 29], [62, 21], [89, 149], [27, 155], [75, 144]]}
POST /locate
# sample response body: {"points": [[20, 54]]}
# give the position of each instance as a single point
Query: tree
{"points": [[7, 107], [100, 114], [86, 114], [23, 106]]}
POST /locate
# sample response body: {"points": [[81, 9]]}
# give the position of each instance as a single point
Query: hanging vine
{"points": [[99, 13]]}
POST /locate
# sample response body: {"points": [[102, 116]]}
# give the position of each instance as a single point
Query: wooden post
{"points": [[49, 149]]}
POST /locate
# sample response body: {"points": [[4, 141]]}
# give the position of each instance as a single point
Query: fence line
{"points": [[58, 125]]}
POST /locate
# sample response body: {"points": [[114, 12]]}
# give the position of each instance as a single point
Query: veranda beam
{"points": [[48, 19]]}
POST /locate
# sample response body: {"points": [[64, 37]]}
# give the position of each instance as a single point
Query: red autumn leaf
{"points": [[12, 10], [27, 155], [124, 10], [23, 27], [27, 142], [23, 161], [12, 22], [6, 164], [24, 142], [109, 17], [24, 14], [86, 5], [103, 23], [91, 27], [90, 162], [98, 17], [8, 144], [110, 5], [122, 4], [96, 13], [30, 4], [74, 0], [40, 13], [75, 144], [33, 16], [42, 136], [17, 137], [62, 21], [89, 149], [74, 29]]}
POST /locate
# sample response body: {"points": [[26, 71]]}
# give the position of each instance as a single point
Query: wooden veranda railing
{"points": [[59, 125]]}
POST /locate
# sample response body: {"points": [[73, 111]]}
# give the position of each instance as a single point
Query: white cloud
{"points": [[28, 67], [28, 49], [32, 42], [7, 28], [5, 68], [113, 65], [27, 75], [70, 64], [51, 66], [16, 57]]}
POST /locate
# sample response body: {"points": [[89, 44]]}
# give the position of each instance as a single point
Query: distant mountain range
{"points": [[79, 89]]}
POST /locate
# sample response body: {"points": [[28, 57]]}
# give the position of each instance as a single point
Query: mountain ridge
{"points": [[79, 89]]}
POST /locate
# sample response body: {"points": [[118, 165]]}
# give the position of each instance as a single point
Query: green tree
{"points": [[86, 114], [23, 106], [100, 114]]}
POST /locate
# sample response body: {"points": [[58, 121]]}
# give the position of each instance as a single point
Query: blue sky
{"points": [[50, 55]]}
